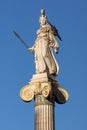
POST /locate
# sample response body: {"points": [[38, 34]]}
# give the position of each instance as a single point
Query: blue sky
{"points": [[17, 64]]}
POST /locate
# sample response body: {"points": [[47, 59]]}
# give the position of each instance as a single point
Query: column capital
{"points": [[44, 90]]}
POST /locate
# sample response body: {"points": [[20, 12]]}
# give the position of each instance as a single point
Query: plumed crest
{"points": [[55, 31]]}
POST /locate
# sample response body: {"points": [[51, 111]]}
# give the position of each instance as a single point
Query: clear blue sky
{"points": [[17, 64]]}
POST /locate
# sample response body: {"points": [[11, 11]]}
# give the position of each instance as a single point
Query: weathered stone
{"points": [[43, 87]]}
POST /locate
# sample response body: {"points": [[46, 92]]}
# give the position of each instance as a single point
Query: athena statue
{"points": [[42, 48]]}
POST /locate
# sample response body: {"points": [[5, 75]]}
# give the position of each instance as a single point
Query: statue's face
{"points": [[43, 21]]}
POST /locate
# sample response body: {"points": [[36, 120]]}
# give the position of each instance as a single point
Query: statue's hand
{"points": [[31, 49], [56, 49]]}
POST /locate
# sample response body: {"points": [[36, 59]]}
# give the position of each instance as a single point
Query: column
{"points": [[44, 114]]}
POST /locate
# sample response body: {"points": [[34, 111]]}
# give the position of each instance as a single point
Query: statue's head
{"points": [[43, 18]]}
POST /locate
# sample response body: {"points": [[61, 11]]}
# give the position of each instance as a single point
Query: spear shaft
{"points": [[17, 35]]}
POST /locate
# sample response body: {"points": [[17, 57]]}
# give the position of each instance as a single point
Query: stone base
{"points": [[44, 77]]}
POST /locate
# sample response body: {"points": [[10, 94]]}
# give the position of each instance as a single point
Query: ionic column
{"points": [[45, 94]]}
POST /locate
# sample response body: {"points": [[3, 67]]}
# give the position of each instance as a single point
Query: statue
{"points": [[43, 87], [45, 41]]}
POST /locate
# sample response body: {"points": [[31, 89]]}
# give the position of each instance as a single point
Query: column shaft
{"points": [[44, 117]]}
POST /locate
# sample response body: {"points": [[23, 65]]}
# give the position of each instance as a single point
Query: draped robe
{"points": [[44, 58]]}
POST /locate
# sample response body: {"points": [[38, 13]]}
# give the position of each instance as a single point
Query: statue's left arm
{"points": [[54, 42]]}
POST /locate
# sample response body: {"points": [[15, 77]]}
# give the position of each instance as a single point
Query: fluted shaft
{"points": [[44, 117]]}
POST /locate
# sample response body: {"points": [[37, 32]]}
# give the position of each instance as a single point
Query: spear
{"points": [[17, 35]]}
